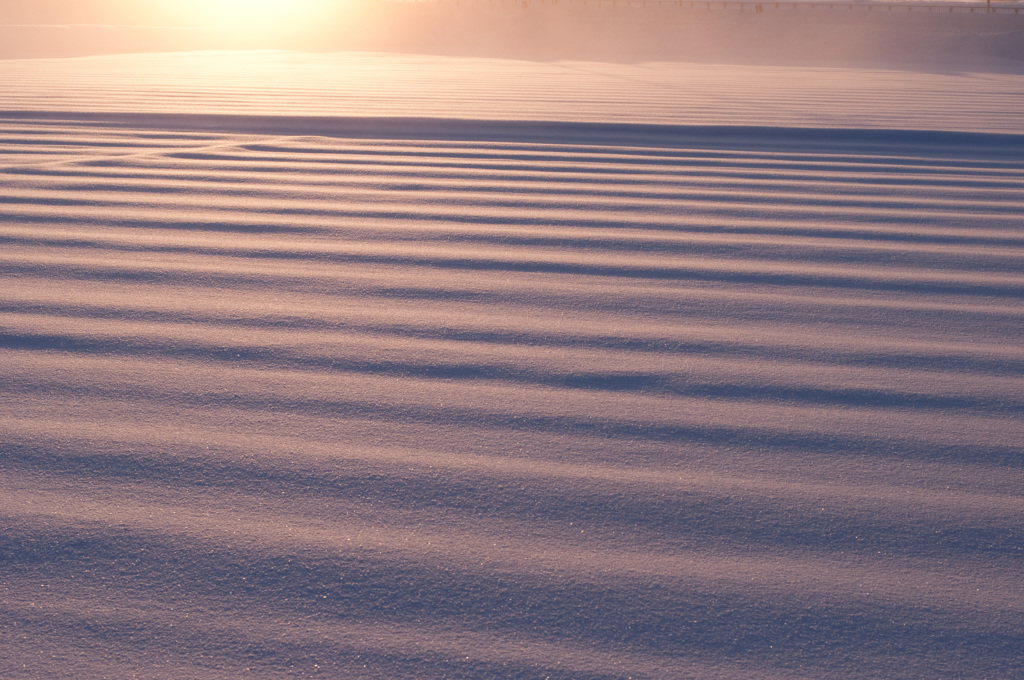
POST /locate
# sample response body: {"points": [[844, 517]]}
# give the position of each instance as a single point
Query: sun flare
{"points": [[250, 16]]}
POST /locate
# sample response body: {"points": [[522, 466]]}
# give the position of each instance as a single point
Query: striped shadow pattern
{"points": [[425, 399]]}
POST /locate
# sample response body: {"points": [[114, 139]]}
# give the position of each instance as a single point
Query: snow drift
{"points": [[422, 397]]}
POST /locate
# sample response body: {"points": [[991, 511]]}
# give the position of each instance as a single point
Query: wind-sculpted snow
{"points": [[941, 96], [385, 398]]}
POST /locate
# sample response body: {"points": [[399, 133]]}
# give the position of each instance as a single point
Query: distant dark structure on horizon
{"points": [[828, 33], [987, 7]]}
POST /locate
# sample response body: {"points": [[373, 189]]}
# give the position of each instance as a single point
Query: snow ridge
{"points": [[398, 398]]}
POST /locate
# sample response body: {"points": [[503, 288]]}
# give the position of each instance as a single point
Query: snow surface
{"points": [[384, 393], [408, 85]]}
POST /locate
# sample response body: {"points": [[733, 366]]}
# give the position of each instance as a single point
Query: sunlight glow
{"points": [[251, 18]]}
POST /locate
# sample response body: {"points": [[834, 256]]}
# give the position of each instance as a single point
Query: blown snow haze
{"points": [[387, 365]]}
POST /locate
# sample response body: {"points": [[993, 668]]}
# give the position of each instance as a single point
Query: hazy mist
{"points": [[535, 31]]}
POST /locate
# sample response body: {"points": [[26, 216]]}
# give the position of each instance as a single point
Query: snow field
{"points": [[466, 399]]}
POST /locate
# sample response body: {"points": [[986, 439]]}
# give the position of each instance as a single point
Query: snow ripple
{"points": [[508, 400]]}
